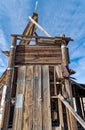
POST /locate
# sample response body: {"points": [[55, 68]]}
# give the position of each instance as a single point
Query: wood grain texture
{"points": [[46, 99], [37, 106], [38, 55], [60, 109], [18, 113], [67, 91], [28, 102]]}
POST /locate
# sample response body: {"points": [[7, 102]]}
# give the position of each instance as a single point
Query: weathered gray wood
{"points": [[60, 115], [43, 30], [28, 100], [58, 72], [37, 106], [46, 99], [38, 60], [18, 113], [38, 55]]}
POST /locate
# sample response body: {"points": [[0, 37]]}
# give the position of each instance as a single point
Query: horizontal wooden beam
{"points": [[67, 39]]}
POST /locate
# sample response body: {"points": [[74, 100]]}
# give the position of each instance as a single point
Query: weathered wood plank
{"points": [[18, 113], [61, 115], [58, 72], [67, 91], [28, 102], [42, 53], [9, 79], [37, 106], [46, 99], [38, 60], [38, 55], [26, 47]]}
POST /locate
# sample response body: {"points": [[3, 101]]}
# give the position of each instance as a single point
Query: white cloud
{"points": [[3, 42]]}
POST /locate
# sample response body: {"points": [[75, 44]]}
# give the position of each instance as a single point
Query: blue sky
{"points": [[56, 16]]}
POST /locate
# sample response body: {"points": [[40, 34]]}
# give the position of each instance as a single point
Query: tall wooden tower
{"points": [[36, 87]]}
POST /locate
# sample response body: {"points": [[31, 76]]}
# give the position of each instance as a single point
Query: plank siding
{"points": [[37, 106], [18, 113], [28, 101], [46, 99], [38, 55]]}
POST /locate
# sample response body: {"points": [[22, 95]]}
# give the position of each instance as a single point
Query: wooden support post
{"points": [[46, 99], [60, 115], [9, 82], [18, 112], [68, 89], [28, 100], [37, 106]]}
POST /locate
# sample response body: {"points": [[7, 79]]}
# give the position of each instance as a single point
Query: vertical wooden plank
{"points": [[47, 125], [60, 115], [28, 101], [37, 106], [2, 105], [58, 75], [18, 113]]}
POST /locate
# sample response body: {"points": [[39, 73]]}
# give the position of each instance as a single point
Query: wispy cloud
{"points": [[13, 19]]}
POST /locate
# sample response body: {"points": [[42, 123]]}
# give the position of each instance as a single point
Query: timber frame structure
{"points": [[36, 92]]}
